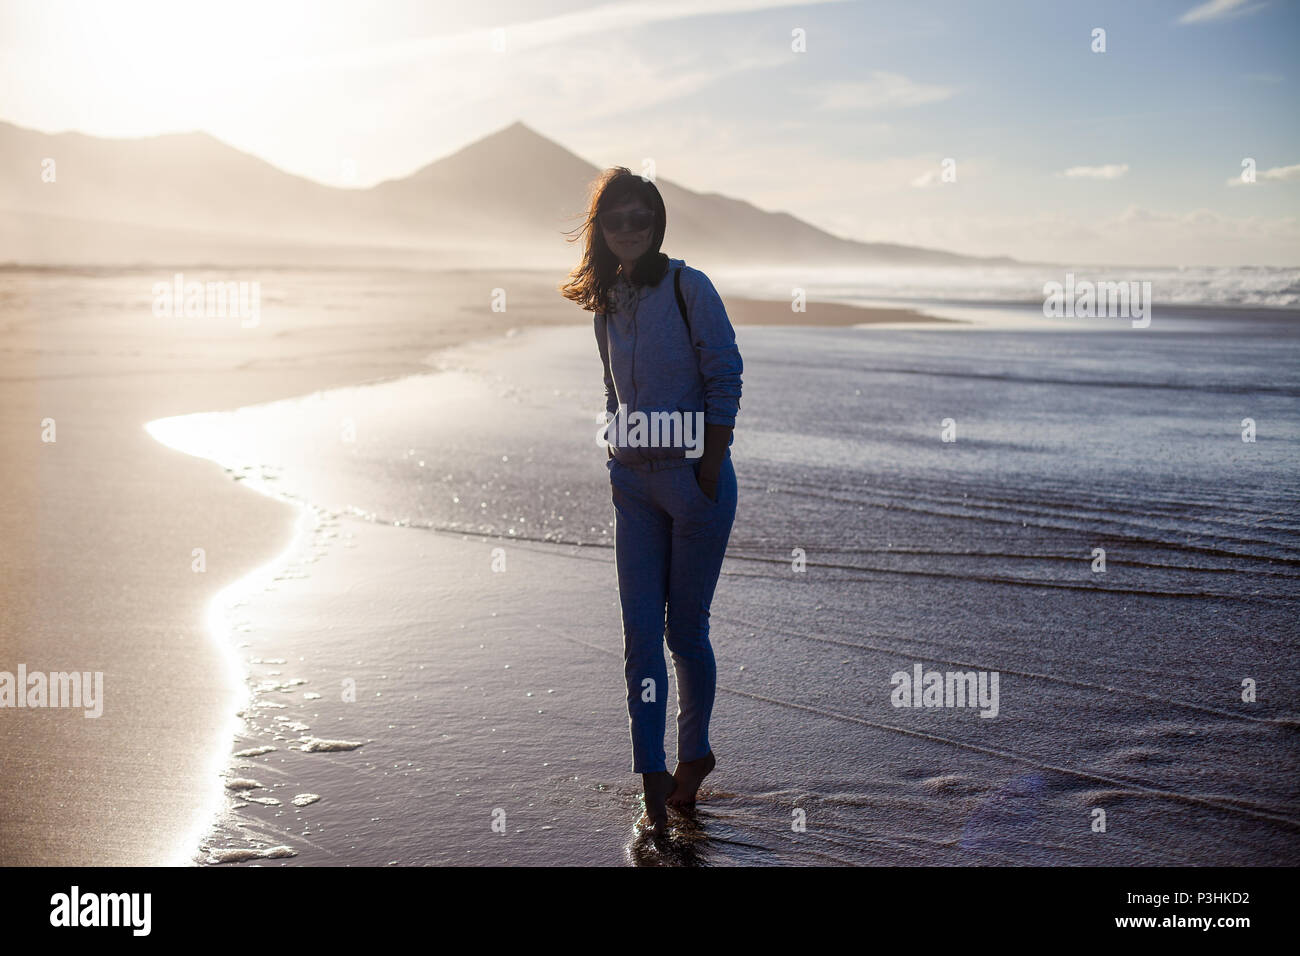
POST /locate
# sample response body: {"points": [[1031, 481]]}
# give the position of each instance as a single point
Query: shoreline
{"points": [[102, 372], [479, 691], [104, 379]]}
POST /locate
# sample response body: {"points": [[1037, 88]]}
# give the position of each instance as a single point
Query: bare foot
{"points": [[689, 776], [658, 787]]}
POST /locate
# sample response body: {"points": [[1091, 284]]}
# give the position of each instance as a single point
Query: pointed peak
{"points": [[517, 139], [518, 129]]}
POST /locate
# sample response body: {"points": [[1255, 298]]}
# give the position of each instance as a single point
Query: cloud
{"points": [[1138, 214], [606, 80], [1218, 10], [1283, 174], [1278, 174], [933, 175], [543, 32], [882, 91], [1204, 217], [1109, 171]]}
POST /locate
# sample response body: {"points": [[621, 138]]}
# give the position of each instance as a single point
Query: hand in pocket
{"points": [[708, 487]]}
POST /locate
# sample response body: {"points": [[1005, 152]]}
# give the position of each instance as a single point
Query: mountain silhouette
{"points": [[505, 200]]}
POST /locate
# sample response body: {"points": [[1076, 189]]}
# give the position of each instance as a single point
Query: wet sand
{"points": [[451, 625], [99, 527]]}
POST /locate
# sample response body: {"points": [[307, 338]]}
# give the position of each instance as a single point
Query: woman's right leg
{"points": [[642, 547]]}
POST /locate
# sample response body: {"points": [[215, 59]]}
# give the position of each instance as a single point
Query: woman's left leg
{"points": [[701, 529]]}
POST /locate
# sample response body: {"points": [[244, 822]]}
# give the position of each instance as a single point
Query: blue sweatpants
{"points": [[669, 543]]}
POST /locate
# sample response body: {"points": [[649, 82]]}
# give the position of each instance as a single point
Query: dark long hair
{"points": [[590, 282]]}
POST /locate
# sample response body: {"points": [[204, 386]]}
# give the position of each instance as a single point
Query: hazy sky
{"points": [[1060, 152]]}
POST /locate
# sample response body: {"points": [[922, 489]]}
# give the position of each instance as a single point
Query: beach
{"points": [[100, 526], [316, 547], [433, 667]]}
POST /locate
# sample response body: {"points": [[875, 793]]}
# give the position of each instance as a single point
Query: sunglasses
{"points": [[626, 221]]}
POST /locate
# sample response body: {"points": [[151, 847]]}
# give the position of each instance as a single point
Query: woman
{"points": [[674, 504]]}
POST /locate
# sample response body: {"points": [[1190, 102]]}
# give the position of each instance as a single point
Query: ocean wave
{"points": [[1232, 287]]}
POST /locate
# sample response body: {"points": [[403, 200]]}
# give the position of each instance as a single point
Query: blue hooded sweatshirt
{"points": [[653, 364]]}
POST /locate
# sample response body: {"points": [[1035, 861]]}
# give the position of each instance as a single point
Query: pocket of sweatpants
{"points": [[692, 475]]}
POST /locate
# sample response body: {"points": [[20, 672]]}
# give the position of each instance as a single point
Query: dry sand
{"points": [[99, 527]]}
